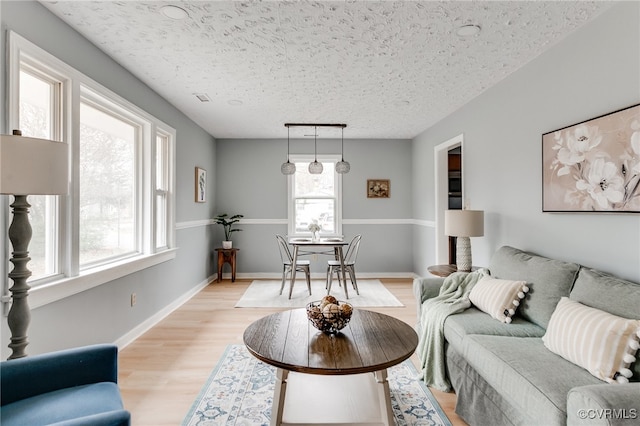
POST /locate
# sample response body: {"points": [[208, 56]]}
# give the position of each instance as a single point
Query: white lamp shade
{"points": [[31, 166], [464, 223]]}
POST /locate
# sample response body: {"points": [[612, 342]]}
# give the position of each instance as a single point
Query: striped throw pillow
{"points": [[499, 298], [602, 343]]}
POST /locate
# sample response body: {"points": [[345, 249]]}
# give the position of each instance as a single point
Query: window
{"points": [[119, 215], [108, 180], [315, 198], [162, 190], [39, 117]]}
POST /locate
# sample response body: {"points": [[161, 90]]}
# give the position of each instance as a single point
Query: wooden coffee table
{"points": [[320, 378]]}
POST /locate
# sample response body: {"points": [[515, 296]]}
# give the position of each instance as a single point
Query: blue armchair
{"points": [[71, 387]]}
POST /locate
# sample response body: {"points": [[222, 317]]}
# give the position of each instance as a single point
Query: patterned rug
{"points": [[240, 392]]}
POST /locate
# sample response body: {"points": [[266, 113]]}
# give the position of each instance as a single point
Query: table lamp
{"points": [[463, 224], [28, 166]]}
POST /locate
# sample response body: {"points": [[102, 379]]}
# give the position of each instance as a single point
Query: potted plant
{"points": [[227, 223]]}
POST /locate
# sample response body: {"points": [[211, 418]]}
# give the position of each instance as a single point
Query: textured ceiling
{"points": [[389, 69]]}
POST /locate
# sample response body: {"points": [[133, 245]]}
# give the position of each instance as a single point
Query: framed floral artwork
{"points": [[201, 185], [378, 188], [593, 166]]}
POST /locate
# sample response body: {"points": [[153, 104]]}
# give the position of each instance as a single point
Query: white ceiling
{"points": [[388, 69]]}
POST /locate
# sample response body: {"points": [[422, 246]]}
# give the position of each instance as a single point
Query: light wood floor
{"points": [[162, 372]]}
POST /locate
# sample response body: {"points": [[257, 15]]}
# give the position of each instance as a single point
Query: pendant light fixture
{"points": [[288, 168], [315, 168], [342, 166]]}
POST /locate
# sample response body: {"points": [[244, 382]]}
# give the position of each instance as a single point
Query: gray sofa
{"points": [[504, 375]]}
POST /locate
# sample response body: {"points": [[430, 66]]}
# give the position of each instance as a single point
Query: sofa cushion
{"points": [[608, 293], [548, 280], [526, 374], [498, 298], [474, 321], [602, 343], [64, 404]]}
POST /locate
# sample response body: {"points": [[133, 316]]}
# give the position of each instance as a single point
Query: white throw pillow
{"points": [[499, 298], [598, 341]]}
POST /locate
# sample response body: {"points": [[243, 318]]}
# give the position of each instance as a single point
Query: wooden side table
{"points": [[445, 270], [227, 256]]}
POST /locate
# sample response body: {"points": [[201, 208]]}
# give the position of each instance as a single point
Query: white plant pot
{"points": [[227, 244]]}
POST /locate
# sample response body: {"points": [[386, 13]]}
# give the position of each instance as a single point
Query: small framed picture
{"points": [[378, 188], [201, 185]]}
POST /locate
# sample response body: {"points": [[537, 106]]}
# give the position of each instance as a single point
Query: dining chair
{"points": [[333, 266], [287, 265]]}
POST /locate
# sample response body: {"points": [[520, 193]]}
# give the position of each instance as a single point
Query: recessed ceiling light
{"points": [[234, 102], [173, 12], [468, 30]]}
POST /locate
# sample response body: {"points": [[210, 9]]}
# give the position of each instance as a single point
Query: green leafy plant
{"points": [[227, 223]]}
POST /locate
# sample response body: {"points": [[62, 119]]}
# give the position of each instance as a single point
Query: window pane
{"points": [[161, 220], [308, 185], [309, 210], [35, 106], [36, 118], [107, 186], [162, 162]]}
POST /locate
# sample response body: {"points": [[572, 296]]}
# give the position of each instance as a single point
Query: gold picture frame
{"points": [[201, 185], [378, 188]]}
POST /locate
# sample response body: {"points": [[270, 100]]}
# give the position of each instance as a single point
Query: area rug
{"points": [[265, 294], [240, 392]]}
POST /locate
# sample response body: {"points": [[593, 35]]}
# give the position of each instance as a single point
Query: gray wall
{"points": [[592, 72], [103, 314], [249, 182]]}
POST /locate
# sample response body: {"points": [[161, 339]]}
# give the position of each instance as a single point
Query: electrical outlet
{"points": [[133, 299]]}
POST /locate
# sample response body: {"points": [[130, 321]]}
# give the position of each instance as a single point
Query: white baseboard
{"points": [[138, 331]]}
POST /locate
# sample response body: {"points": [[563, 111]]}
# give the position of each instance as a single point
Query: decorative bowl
{"points": [[329, 315]]}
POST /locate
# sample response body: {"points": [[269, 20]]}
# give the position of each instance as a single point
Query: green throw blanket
{"points": [[453, 298]]}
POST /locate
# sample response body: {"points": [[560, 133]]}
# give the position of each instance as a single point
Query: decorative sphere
{"points": [[315, 168], [343, 167], [329, 299], [288, 168], [346, 310], [331, 310]]}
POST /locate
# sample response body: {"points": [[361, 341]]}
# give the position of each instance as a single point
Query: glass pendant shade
{"points": [[315, 168], [343, 167], [288, 168]]}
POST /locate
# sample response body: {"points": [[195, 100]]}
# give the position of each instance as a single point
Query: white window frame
{"points": [[169, 192], [102, 104], [58, 110], [298, 158], [71, 279]]}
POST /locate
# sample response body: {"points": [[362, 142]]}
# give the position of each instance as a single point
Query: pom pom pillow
{"points": [[498, 298], [598, 341]]}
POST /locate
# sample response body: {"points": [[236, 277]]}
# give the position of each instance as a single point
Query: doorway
{"points": [[449, 190]]}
